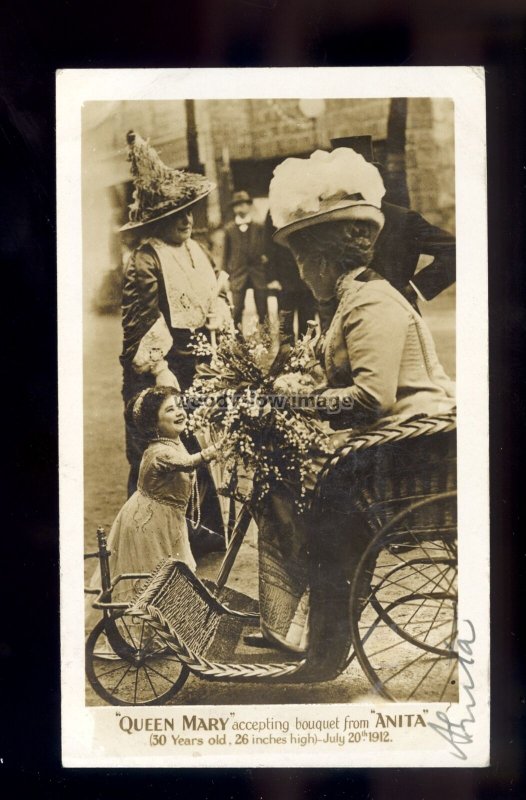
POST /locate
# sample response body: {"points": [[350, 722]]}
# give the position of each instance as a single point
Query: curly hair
{"points": [[342, 245], [143, 409]]}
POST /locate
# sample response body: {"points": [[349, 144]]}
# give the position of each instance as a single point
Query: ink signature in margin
{"points": [[458, 733]]}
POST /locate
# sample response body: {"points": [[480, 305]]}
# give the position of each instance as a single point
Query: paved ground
{"points": [[105, 481]]}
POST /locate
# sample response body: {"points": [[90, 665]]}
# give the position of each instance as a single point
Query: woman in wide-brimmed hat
{"points": [[378, 353], [170, 287], [380, 368]]}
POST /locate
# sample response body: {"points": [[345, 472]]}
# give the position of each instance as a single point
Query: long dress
{"points": [[169, 293], [151, 525]]}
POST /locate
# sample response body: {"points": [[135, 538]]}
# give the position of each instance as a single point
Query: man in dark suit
{"points": [[406, 236], [293, 293], [244, 258]]}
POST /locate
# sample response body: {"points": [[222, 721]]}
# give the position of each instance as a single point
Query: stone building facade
{"points": [[238, 144]]}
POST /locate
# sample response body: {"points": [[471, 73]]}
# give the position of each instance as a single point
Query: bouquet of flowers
{"points": [[260, 405]]}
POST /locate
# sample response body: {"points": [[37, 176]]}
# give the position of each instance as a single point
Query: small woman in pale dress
{"points": [[151, 526]]}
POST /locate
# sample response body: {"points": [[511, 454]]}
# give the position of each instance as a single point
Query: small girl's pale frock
{"points": [[151, 525]]}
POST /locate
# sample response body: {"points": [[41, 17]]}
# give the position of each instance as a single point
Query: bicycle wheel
{"points": [[127, 664], [406, 584]]}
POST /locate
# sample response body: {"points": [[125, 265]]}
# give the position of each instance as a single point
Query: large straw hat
{"points": [[159, 190], [323, 188]]}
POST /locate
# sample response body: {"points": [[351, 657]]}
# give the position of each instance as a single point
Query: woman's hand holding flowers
{"points": [[292, 383], [341, 438]]}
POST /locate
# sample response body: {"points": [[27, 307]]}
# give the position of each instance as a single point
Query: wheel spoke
{"points": [[413, 662], [415, 612], [136, 683], [150, 681], [121, 680], [407, 649], [406, 565], [128, 631], [386, 580], [122, 665], [161, 675], [431, 625], [398, 643], [422, 679], [420, 539]]}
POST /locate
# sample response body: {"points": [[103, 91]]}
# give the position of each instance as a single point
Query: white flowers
{"points": [[267, 435], [200, 345]]}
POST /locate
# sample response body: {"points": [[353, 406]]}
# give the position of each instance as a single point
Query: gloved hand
{"points": [[165, 377], [342, 438], [223, 283], [213, 321]]}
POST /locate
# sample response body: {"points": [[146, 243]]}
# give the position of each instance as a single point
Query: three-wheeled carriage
{"points": [[399, 602]]}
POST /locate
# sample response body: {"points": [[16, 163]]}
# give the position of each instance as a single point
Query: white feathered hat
{"points": [[323, 188]]}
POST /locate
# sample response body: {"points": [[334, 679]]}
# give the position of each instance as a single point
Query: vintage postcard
{"points": [[273, 417]]}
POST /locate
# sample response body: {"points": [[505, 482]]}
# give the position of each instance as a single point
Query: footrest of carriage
{"points": [[205, 634]]}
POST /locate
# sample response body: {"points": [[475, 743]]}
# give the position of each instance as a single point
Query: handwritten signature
{"points": [[455, 732]]}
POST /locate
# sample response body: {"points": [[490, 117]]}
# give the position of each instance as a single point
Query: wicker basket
{"points": [[383, 480]]}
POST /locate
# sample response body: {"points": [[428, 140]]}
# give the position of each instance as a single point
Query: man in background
{"points": [[406, 236], [292, 293], [244, 258]]}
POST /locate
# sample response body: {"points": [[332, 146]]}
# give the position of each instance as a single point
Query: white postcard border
{"points": [[465, 86]]}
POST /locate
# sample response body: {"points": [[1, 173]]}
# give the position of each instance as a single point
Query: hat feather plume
{"points": [[158, 188]]}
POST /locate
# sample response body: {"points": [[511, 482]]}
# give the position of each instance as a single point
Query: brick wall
{"points": [[357, 118], [252, 132], [430, 159], [230, 121], [262, 129]]}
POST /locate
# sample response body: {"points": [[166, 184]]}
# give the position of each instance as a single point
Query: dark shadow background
{"points": [[36, 40]]}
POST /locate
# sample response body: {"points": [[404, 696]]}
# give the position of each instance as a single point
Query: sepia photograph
{"points": [[263, 468]]}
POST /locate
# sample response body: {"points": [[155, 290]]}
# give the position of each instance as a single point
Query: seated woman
{"points": [[381, 368], [151, 526]]}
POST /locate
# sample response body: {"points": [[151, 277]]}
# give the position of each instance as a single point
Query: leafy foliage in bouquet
{"points": [[251, 399]]}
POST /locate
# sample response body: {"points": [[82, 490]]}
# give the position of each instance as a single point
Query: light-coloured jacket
{"points": [[380, 355]]}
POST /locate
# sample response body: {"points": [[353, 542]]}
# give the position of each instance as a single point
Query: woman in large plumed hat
{"points": [[170, 288], [380, 368]]}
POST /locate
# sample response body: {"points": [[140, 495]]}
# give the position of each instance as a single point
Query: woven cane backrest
{"points": [[391, 469], [183, 603], [202, 633]]}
